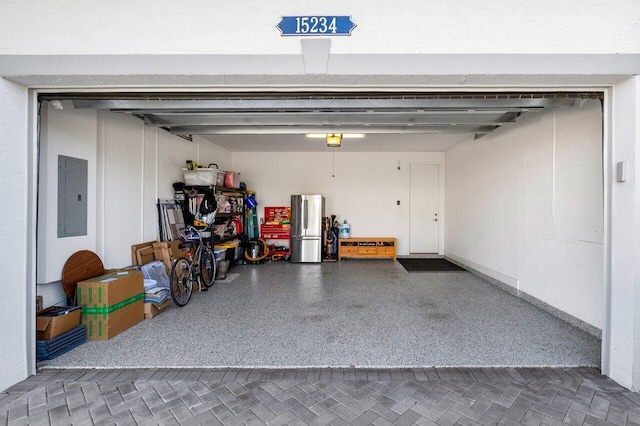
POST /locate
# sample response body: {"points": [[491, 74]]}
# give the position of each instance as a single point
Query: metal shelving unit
{"points": [[237, 193]]}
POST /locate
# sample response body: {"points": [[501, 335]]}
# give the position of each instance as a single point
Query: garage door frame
{"points": [[33, 185]]}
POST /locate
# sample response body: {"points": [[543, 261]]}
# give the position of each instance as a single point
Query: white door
{"points": [[424, 208]]}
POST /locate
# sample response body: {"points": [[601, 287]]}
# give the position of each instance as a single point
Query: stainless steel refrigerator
{"points": [[307, 212]]}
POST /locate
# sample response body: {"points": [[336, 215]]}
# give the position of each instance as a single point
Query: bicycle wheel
{"points": [[207, 267], [180, 281]]}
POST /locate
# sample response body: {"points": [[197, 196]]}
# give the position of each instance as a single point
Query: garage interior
{"points": [[519, 202]]}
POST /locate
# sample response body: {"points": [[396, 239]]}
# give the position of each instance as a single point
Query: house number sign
{"points": [[316, 25]]}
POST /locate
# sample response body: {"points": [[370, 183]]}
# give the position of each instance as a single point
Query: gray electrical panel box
{"points": [[72, 196]]}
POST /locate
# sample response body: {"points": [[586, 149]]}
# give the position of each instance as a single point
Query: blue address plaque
{"points": [[316, 25]]}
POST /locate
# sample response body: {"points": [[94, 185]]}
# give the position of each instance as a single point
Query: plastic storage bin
{"points": [[220, 254], [232, 180], [220, 174], [200, 177]]}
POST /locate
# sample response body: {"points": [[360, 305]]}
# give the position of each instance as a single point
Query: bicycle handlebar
{"points": [[198, 231], [185, 234]]}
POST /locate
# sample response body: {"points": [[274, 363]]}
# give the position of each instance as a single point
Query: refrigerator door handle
{"points": [[305, 214]]}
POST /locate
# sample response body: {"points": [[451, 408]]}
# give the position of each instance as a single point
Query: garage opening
{"points": [[518, 202]]}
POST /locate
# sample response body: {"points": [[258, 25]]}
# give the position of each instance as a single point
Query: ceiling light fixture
{"points": [[344, 135], [334, 140]]}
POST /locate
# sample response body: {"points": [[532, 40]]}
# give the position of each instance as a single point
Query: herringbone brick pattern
{"points": [[320, 397]]}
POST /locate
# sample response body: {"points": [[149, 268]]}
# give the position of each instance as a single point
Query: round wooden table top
{"points": [[81, 266]]}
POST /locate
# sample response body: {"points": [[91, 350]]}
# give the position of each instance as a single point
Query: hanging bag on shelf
{"points": [[208, 207]]}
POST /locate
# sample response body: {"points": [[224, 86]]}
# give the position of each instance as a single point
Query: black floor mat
{"points": [[429, 265]]}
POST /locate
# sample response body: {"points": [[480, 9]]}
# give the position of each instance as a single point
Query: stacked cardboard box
{"points": [[111, 303], [56, 320], [58, 330], [154, 309], [167, 252], [142, 253]]}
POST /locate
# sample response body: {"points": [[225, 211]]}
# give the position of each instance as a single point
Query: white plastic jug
{"points": [[345, 230]]}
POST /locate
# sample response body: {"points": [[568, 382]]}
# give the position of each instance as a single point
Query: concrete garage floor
{"points": [[366, 314], [362, 313]]}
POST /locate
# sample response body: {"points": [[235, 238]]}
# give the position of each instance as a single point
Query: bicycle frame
{"points": [[197, 265], [195, 257]]}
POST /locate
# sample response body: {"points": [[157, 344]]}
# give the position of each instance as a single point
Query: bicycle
{"points": [[197, 268]]}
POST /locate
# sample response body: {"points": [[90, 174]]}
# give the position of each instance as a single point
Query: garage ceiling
{"points": [[221, 116]]}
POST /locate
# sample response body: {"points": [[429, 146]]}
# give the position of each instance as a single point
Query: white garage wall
{"points": [[481, 204], [130, 167], [140, 165], [72, 135], [364, 191], [524, 205]]}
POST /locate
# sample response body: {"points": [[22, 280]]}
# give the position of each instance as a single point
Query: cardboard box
{"points": [[111, 303], [64, 318], [167, 252], [142, 253], [154, 309]]}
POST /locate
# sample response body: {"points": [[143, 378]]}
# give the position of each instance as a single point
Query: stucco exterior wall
{"points": [[14, 283], [249, 27], [624, 314]]}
